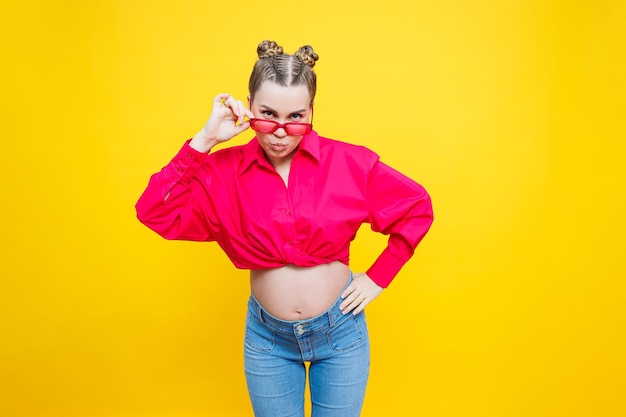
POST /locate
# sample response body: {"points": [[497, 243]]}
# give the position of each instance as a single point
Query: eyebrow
{"points": [[265, 107]]}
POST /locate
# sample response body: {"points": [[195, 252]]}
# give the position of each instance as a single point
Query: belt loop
{"points": [[259, 310], [261, 315]]}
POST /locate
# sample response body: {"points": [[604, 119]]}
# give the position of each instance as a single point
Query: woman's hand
{"points": [[226, 121], [361, 291]]}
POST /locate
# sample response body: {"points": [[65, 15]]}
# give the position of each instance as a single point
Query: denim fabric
{"points": [[335, 345]]}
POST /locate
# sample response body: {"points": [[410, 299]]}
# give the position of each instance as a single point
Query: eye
{"points": [[296, 116], [267, 114]]}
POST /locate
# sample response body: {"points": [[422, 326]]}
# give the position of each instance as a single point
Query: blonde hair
{"points": [[284, 69]]}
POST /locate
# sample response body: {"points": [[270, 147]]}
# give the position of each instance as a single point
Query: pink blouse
{"points": [[235, 197]]}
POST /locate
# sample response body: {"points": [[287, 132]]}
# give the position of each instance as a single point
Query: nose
{"points": [[280, 133]]}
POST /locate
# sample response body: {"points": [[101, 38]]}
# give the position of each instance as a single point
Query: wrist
{"points": [[201, 143]]}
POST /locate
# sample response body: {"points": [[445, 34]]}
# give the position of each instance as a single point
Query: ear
{"points": [[249, 102]]}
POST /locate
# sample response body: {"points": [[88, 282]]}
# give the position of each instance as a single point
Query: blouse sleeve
{"points": [[176, 203], [400, 208]]}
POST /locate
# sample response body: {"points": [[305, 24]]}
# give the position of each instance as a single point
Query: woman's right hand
{"points": [[226, 121]]}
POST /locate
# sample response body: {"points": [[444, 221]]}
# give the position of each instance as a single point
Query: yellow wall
{"points": [[511, 113]]}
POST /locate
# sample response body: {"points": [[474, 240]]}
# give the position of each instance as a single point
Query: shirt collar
{"points": [[252, 151]]}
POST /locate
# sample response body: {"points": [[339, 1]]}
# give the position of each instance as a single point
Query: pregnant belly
{"points": [[296, 293]]}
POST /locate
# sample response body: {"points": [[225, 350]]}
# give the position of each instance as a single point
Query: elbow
{"points": [[426, 210], [173, 226], [150, 218], [153, 224]]}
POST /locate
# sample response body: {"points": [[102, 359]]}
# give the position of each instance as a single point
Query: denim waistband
{"points": [[327, 319]]}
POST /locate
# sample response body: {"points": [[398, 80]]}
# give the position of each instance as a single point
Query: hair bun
{"points": [[267, 49], [307, 55]]}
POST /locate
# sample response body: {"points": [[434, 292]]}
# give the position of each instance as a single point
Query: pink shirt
{"points": [[235, 197]]}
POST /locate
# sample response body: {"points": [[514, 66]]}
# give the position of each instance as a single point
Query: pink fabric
{"points": [[235, 197]]}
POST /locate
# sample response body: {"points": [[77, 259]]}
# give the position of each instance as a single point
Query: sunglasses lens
{"points": [[263, 126], [270, 126], [297, 129]]}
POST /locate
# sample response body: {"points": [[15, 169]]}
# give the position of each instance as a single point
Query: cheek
{"points": [[263, 138], [296, 141]]}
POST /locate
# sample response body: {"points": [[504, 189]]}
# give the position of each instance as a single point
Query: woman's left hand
{"points": [[361, 291]]}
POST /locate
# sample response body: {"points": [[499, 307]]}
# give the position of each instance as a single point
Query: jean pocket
{"points": [[346, 335], [258, 337]]}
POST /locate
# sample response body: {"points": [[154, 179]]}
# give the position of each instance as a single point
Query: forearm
{"points": [[170, 204], [202, 142]]}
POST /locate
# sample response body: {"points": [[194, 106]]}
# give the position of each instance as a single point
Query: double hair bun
{"points": [[268, 49]]}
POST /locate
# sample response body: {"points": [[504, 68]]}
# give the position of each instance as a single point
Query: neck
{"points": [[281, 163], [282, 167]]}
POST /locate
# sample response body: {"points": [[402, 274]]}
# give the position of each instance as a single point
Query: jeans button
{"points": [[300, 329]]}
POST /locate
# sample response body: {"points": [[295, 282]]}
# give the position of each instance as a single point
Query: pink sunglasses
{"points": [[271, 126]]}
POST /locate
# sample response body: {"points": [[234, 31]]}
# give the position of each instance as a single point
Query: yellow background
{"points": [[511, 113]]}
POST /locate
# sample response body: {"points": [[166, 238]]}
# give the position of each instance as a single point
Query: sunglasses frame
{"points": [[308, 126], [287, 126]]}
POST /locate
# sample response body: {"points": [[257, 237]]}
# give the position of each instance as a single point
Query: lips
{"points": [[278, 146]]}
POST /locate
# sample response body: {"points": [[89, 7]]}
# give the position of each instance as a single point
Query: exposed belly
{"points": [[294, 293]]}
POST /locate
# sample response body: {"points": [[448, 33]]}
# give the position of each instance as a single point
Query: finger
{"points": [[351, 299], [218, 103], [241, 127], [236, 107], [239, 109], [349, 290], [221, 97], [355, 306], [360, 308]]}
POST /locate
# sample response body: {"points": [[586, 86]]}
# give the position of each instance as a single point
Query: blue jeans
{"points": [[335, 345]]}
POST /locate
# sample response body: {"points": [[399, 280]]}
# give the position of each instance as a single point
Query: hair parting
{"points": [[284, 69]]}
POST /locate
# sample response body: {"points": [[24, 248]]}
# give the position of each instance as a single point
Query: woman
{"points": [[286, 206]]}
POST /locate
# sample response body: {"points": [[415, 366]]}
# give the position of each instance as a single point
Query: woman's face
{"points": [[283, 105]]}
